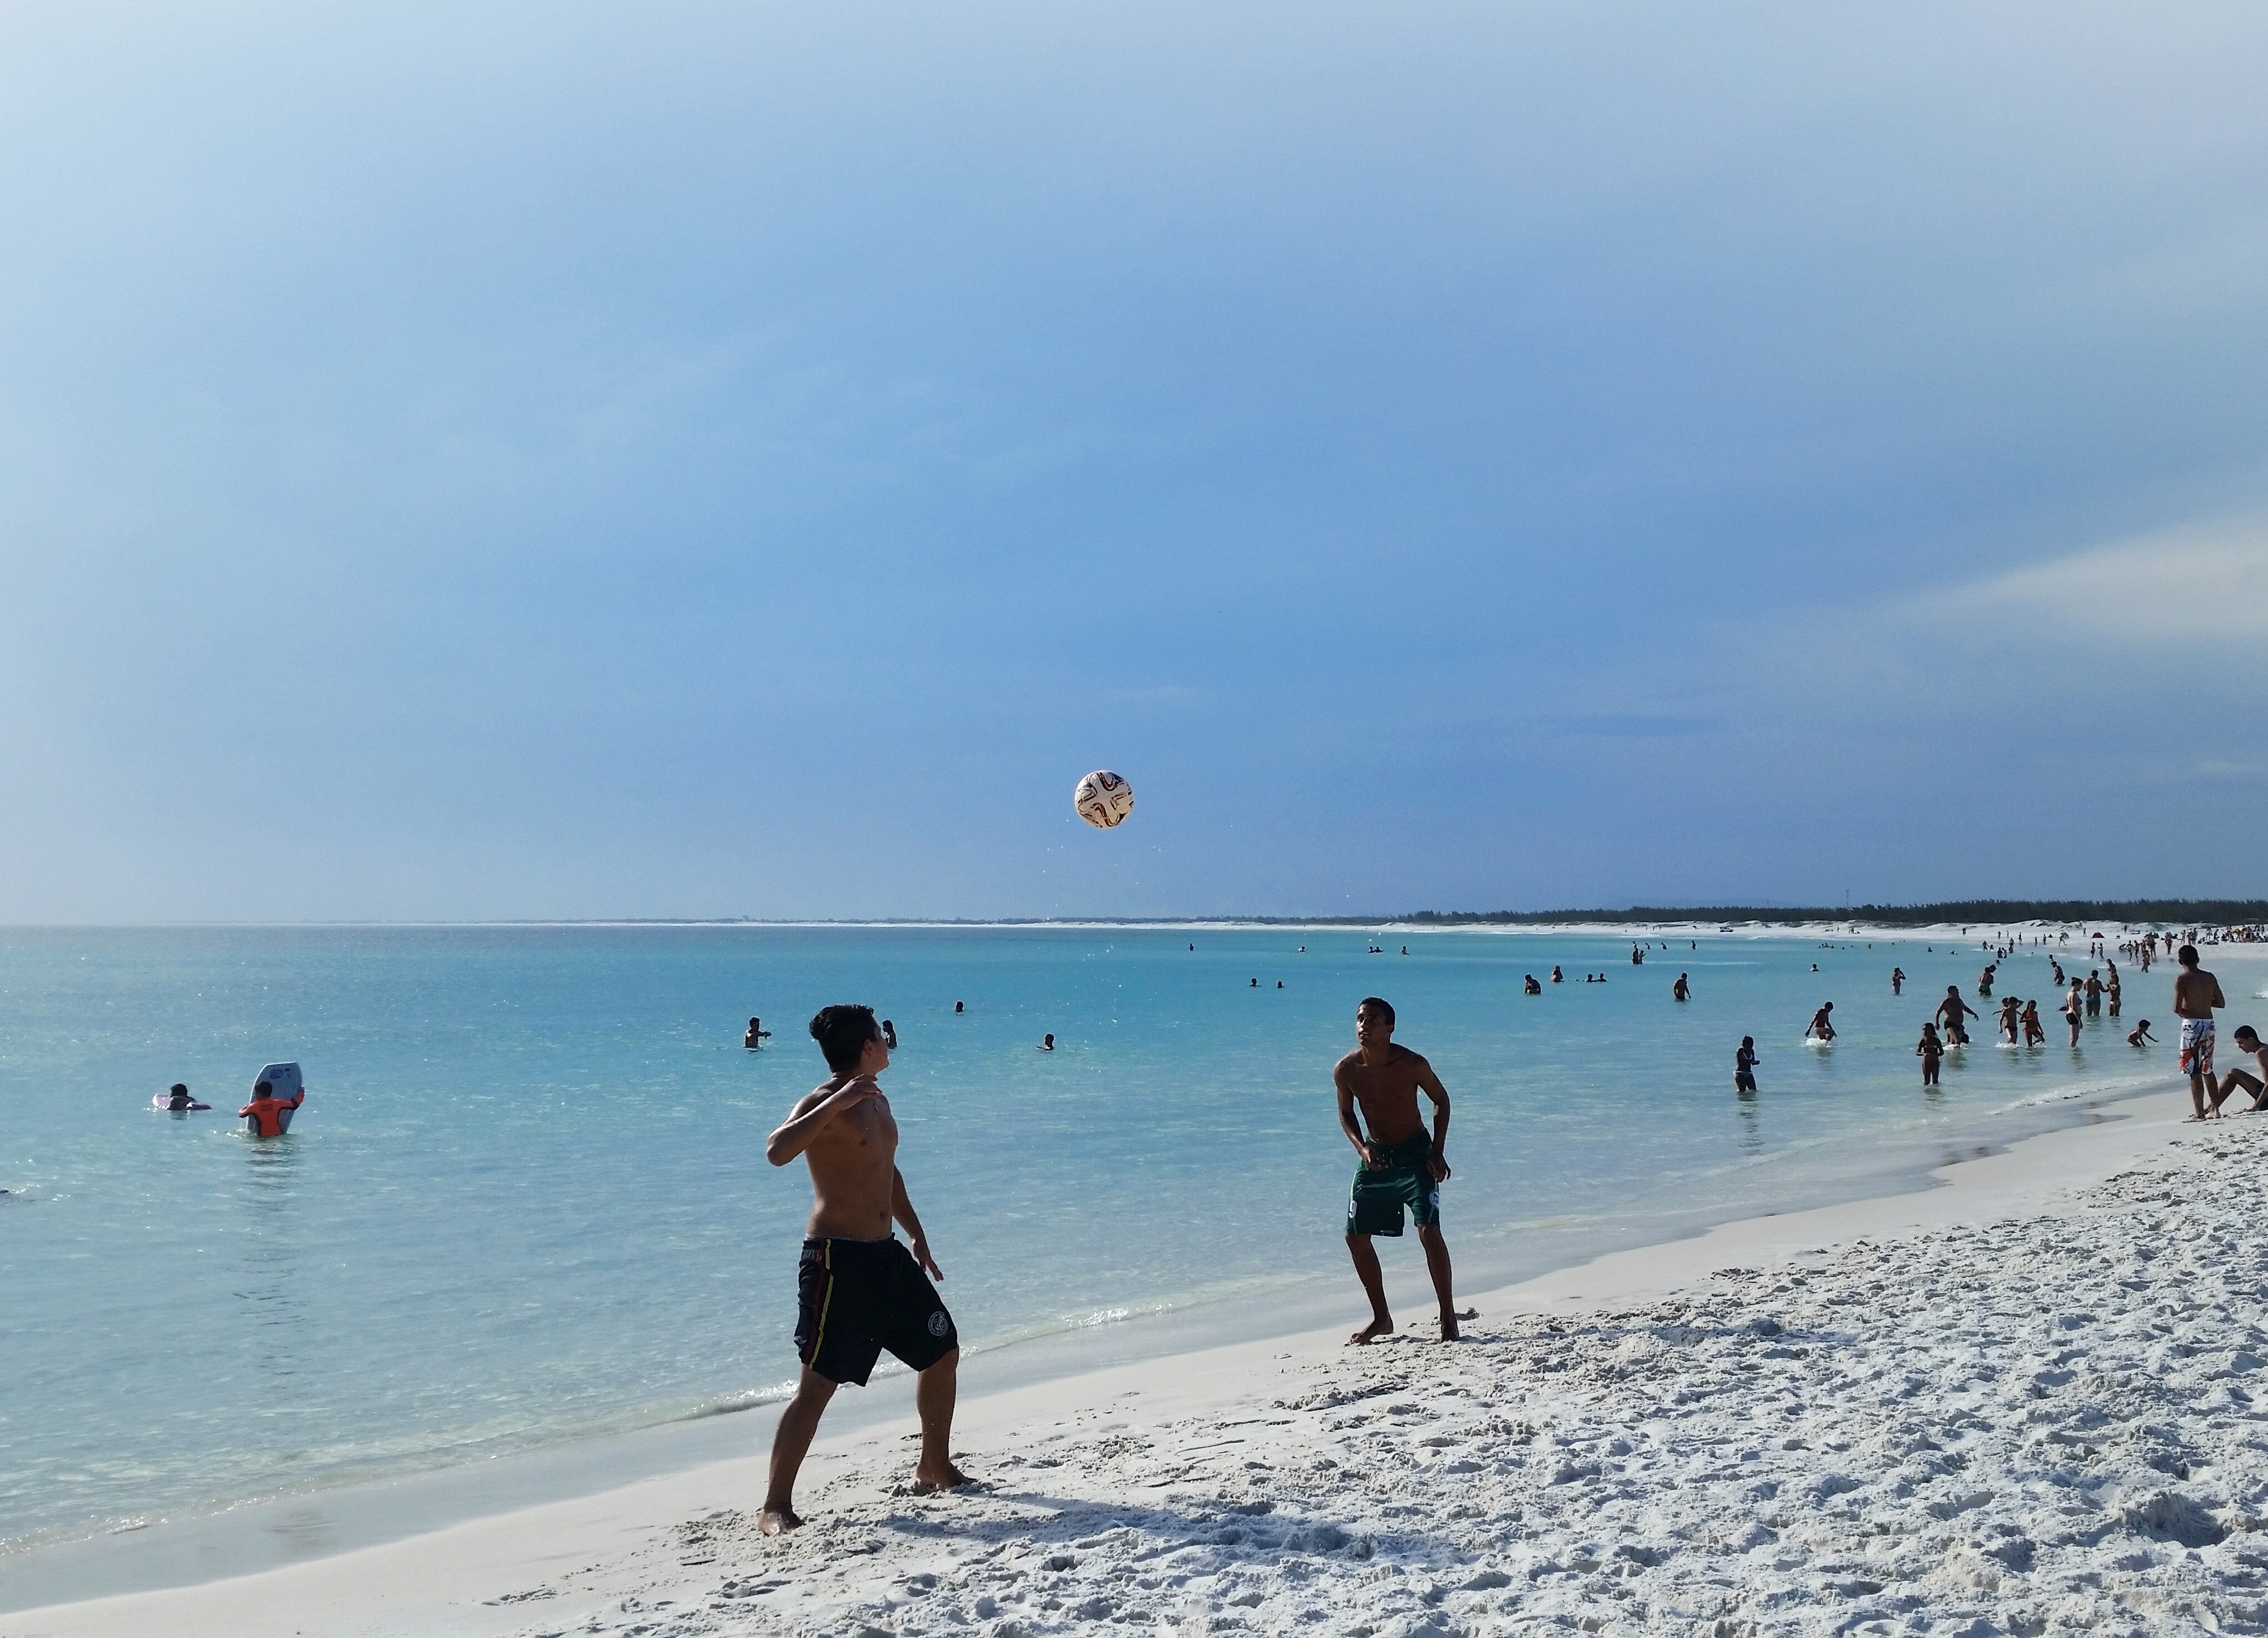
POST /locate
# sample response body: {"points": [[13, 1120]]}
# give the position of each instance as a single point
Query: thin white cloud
{"points": [[2204, 582]]}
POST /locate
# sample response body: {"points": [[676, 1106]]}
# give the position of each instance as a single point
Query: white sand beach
{"points": [[2020, 1401]]}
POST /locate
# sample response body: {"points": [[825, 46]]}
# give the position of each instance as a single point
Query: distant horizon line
{"points": [[2187, 912]]}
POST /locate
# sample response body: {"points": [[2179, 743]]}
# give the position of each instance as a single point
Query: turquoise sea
{"points": [[526, 1202]]}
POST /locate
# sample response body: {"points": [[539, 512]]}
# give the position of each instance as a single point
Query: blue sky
{"points": [[577, 460]]}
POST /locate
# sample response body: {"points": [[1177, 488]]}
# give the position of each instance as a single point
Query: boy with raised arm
{"points": [[1400, 1165], [858, 1290]]}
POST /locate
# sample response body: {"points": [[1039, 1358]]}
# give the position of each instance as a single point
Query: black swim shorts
{"points": [[853, 1298], [1375, 1203]]}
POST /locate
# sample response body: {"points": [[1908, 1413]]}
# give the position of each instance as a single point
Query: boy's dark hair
{"points": [[2186, 955], [843, 1033], [2246, 1029], [261, 1089], [1377, 1004], [178, 1089]]}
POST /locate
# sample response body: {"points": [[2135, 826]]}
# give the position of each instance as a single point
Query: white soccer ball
{"points": [[1103, 799]]}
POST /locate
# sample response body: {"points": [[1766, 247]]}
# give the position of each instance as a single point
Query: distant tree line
{"points": [[2163, 912]]}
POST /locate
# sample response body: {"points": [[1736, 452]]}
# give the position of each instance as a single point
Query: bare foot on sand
{"points": [[777, 1521], [952, 1478], [1370, 1333]]}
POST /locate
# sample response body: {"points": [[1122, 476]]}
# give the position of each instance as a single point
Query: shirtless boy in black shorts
{"points": [[1400, 1165], [858, 1290]]}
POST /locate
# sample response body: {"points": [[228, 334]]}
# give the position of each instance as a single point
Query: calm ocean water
{"points": [[526, 1200]]}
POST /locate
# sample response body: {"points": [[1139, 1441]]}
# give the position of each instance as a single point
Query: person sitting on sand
{"points": [[1952, 1010], [2140, 1036], [1930, 1049], [2248, 1042], [1401, 1165], [858, 1289], [1681, 990], [266, 1110], [2009, 1007], [756, 1035], [2036, 1034], [1821, 1027], [2196, 993], [1744, 1065]]}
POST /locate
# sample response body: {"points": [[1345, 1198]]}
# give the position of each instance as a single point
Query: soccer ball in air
{"points": [[1103, 799]]}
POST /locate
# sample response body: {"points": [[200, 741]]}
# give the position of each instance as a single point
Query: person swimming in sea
{"points": [[1930, 1049], [2036, 1034], [1821, 1027], [265, 1110], [1681, 990], [179, 1101], [756, 1035], [890, 1030], [1744, 1065], [1532, 985], [1557, 977], [1046, 1043], [2140, 1036]]}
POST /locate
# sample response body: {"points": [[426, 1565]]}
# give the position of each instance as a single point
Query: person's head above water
{"points": [[845, 1032], [2186, 955], [181, 1093], [261, 1089]]}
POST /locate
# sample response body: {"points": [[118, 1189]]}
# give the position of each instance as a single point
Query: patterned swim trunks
{"points": [[2197, 1047]]}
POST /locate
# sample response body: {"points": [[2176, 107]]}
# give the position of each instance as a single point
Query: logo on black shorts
{"points": [[939, 1325]]}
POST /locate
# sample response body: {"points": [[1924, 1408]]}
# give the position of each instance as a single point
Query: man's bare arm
{"points": [[901, 1207], [816, 1109], [1430, 1084], [1347, 1123]]}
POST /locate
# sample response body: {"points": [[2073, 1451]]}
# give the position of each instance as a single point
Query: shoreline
{"points": [[490, 1527], [253, 1535]]}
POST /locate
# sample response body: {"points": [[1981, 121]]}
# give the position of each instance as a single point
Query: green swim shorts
{"points": [[1375, 1203]]}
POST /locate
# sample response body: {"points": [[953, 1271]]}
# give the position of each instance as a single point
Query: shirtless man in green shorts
{"points": [[1400, 1165], [858, 1291]]}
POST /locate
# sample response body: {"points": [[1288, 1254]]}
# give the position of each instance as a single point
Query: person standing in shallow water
{"points": [[1400, 1165], [858, 1290]]}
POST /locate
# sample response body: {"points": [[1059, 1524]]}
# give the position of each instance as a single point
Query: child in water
{"points": [[2140, 1036], [2036, 1034], [1744, 1065], [1929, 1049], [265, 1110]]}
